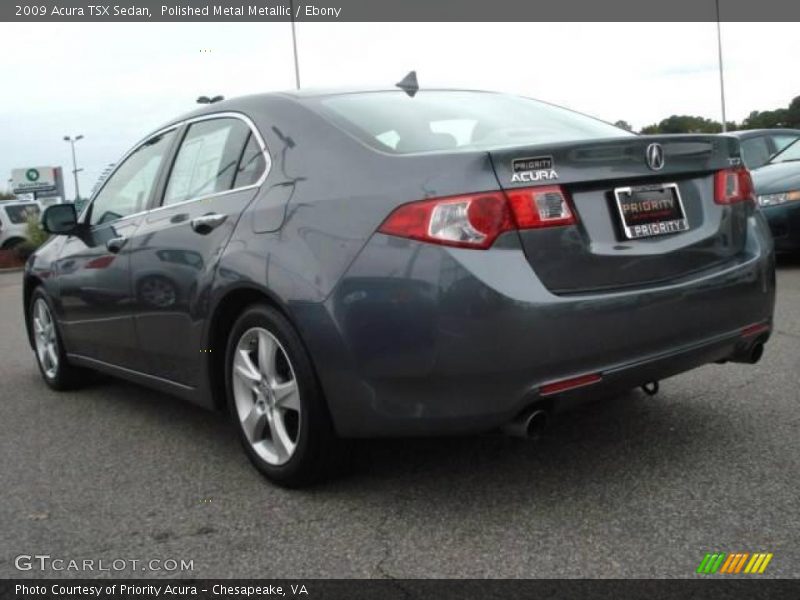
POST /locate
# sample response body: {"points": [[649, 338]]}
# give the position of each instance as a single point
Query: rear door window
{"points": [[208, 159], [755, 151]]}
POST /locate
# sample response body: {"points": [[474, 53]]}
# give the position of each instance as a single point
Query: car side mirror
{"points": [[59, 219]]}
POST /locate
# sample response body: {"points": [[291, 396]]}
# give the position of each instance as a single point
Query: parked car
{"points": [[778, 187], [14, 221], [387, 263], [758, 145]]}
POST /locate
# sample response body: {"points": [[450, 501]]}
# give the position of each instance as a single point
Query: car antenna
{"points": [[207, 100], [409, 84]]}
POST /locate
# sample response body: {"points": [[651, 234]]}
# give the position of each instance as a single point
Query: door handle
{"points": [[115, 244], [207, 223]]}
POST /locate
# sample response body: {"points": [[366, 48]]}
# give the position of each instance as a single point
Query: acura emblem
{"points": [[655, 157]]}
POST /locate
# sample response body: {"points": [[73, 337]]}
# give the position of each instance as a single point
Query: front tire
{"points": [[50, 355], [276, 402]]}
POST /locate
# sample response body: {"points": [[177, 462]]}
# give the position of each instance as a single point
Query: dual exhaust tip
{"points": [[749, 356], [529, 424]]}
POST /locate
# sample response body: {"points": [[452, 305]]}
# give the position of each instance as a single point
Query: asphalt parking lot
{"points": [[628, 487]]}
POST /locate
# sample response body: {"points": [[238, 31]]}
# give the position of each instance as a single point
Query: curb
{"points": [[12, 270]]}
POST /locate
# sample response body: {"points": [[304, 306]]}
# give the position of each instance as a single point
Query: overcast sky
{"points": [[114, 83]]}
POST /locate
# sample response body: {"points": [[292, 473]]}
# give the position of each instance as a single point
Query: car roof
{"points": [[13, 201], [748, 133], [242, 102]]}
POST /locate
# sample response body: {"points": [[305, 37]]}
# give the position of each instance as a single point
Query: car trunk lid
{"points": [[604, 177]]}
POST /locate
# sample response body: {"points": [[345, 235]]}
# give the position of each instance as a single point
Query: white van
{"points": [[14, 220]]}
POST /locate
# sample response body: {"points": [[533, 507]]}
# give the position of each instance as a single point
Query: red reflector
{"points": [[755, 329], [569, 384], [733, 185]]}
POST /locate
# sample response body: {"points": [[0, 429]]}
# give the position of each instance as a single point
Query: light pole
{"points": [[294, 48], [75, 168], [721, 78]]}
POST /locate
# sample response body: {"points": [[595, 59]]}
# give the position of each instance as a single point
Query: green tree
{"points": [[685, 124], [793, 113], [766, 119], [36, 237], [33, 229], [624, 125]]}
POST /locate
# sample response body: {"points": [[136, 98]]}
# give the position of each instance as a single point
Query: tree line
{"points": [[768, 119]]}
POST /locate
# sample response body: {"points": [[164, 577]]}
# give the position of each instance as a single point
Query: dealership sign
{"points": [[34, 179]]}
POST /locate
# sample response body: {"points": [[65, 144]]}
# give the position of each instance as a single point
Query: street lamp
{"points": [[721, 77], [294, 48], [75, 168]]}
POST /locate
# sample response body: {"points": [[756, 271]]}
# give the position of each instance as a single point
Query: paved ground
{"points": [[632, 487]]}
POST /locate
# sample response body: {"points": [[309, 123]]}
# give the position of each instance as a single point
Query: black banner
{"points": [[396, 11], [390, 589]]}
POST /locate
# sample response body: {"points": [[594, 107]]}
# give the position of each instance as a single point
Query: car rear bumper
{"points": [[784, 223], [419, 339]]}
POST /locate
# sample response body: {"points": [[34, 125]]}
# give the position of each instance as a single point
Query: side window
{"points": [[207, 160], [251, 165], [755, 152], [782, 140], [129, 188], [19, 213]]}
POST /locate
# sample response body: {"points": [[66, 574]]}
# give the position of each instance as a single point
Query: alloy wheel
{"points": [[45, 337], [266, 395]]}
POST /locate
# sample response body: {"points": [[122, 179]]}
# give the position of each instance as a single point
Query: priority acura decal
{"points": [[533, 168]]}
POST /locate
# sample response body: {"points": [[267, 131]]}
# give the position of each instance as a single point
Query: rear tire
{"points": [[12, 243], [276, 401], [48, 347]]}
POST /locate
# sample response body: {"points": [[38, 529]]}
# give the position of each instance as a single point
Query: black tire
{"points": [[319, 453], [66, 376], [12, 243]]}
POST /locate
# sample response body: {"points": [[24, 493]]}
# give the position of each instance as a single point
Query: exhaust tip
{"points": [[529, 424], [536, 424], [756, 353]]}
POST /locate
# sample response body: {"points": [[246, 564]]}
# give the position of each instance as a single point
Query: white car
{"points": [[14, 220]]}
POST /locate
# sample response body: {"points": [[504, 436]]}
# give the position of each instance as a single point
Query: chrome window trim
{"points": [[174, 126]]}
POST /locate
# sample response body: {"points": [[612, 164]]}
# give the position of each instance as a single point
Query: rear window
{"points": [[442, 120], [19, 213]]}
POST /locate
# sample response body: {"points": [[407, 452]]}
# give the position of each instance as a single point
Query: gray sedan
{"points": [[396, 262]]}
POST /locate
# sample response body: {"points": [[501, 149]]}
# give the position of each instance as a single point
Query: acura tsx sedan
{"points": [[350, 264]]}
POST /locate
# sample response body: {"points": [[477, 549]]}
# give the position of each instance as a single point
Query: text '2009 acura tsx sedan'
{"points": [[357, 264]]}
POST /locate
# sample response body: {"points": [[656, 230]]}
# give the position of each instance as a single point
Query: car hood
{"points": [[780, 177]]}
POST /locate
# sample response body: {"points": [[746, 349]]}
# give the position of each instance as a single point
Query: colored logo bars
{"points": [[720, 562]]}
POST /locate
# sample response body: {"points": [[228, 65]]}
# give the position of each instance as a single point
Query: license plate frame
{"points": [[649, 224]]}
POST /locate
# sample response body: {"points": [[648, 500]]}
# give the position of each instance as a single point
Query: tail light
{"points": [[476, 220], [733, 185], [540, 207]]}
